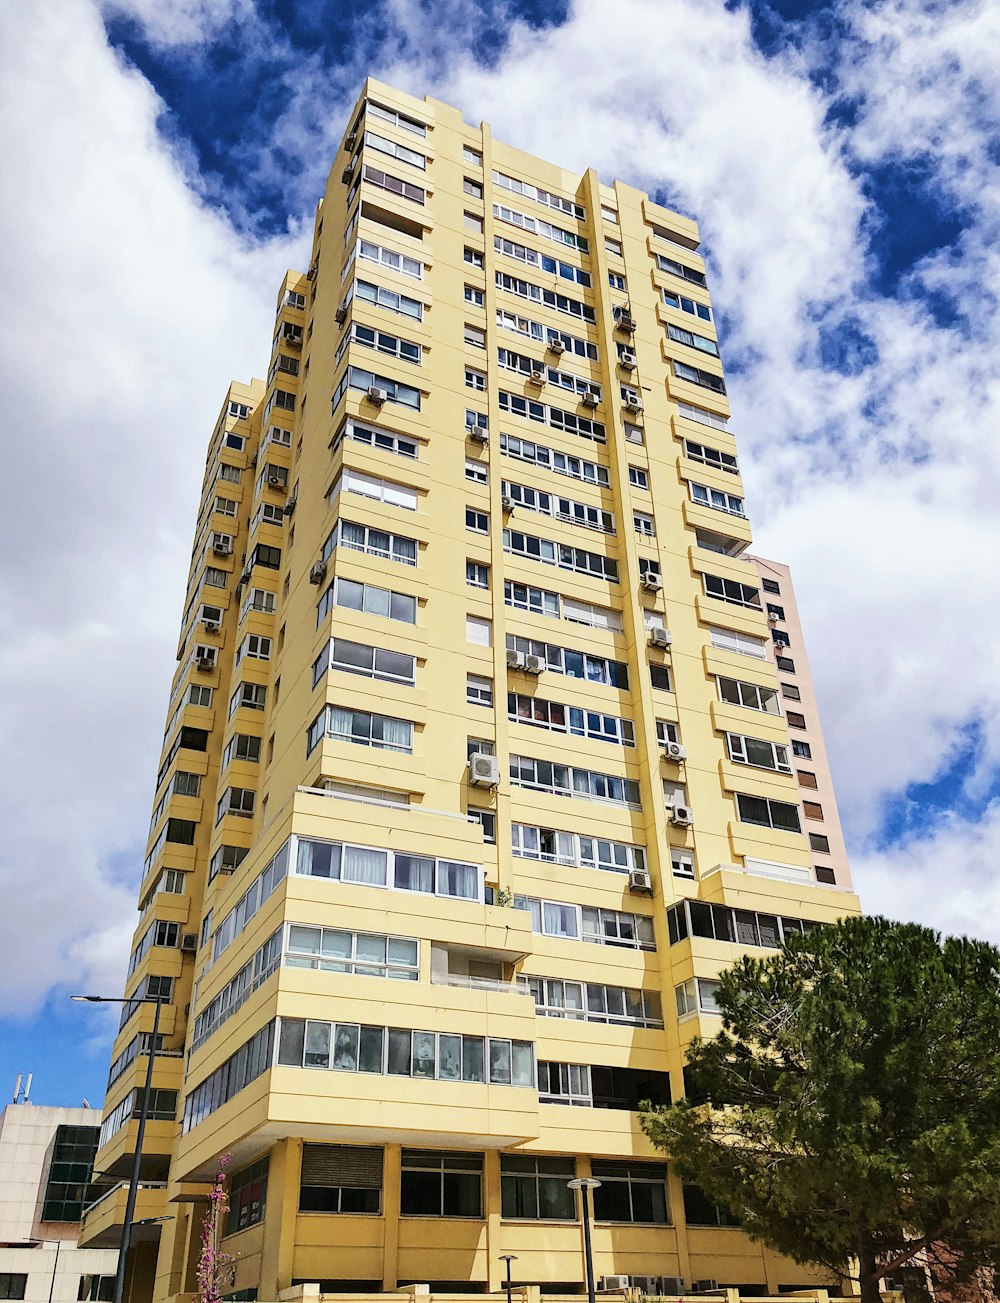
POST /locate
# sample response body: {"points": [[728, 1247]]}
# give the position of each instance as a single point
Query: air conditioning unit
{"points": [[478, 434], [276, 482], [639, 880], [313, 272], [704, 1286], [484, 770], [674, 751], [589, 399], [515, 659], [212, 626], [634, 404], [624, 320], [205, 657], [189, 943], [376, 395], [317, 572], [347, 174], [533, 664], [613, 1282], [340, 316], [507, 502], [652, 582], [350, 140], [669, 1286], [556, 346], [222, 548], [659, 637], [681, 816], [772, 618], [537, 377], [626, 360]]}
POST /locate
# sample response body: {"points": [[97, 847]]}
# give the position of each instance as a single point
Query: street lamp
{"points": [[508, 1258], [583, 1184], [133, 1185]]}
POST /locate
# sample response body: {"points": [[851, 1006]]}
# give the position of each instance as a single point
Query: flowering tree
{"points": [[216, 1270]]}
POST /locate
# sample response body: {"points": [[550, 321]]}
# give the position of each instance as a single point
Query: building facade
{"points": [[475, 772], [46, 1164]]}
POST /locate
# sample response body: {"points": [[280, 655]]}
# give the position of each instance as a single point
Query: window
{"points": [[538, 226], [716, 499], [477, 575], [693, 918], [780, 639], [436, 1184], [395, 392], [391, 300], [473, 256], [825, 874], [478, 631], [813, 811], [247, 1194], [340, 1178], [565, 780], [477, 298], [659, 677], [617, 281], [397, 119], [701, 342], [359, 658], [759, 810], [227, 859], [555, 847], [393, 184], [548, 504], [744, 644], [478, 690], [729, 590], [790, 692], [362, 728], [382, 342], [251, 1060], [473, 188], [535, 293], [477, 521], [644, 525], [488, 821], [475, 379], [638, 477], [13, 1284], [365, 954], [757, 752], [554, 715], [681, 862], [255, 647], [389, 258], [785, 663], [819, 842], [471, 155], [472, 222], [238, 801], [231, 474], [574, 664], [577, 559], [355, 596], [557, 417], [535, 1188], [590, 1001], [676, 268], [721, 461], [248, 696], [241, 746], [630, 1192], [91, 1288], [795, 720], [690, 306], [67, 1179], [806, 779], [373, 541], [802, 749], [561, 463], [541, 196], [697, 995], [390, 492], [700, 1211], [749, 695]]}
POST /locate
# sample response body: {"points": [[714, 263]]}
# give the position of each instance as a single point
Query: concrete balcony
{"points": [[101, 1227]]}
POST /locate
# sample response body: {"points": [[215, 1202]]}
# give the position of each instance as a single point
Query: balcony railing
{"points": [[122, 1185], [478, 983]]}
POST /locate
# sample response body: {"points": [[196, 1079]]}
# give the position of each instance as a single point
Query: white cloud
{"points": [[168, 23], [127, 309]]}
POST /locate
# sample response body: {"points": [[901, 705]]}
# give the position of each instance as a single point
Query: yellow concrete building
{"points": [[475, 772]]}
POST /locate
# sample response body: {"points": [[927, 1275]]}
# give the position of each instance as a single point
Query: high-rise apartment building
{"points": [[46, 1167], [475, 772]]}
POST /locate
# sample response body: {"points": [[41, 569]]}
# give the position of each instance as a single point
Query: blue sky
{"points": [[842, 160]]}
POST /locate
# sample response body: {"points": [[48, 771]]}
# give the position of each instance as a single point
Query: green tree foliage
{"points": [[853, 1109]]}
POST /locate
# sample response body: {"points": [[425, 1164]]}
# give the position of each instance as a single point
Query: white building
{"points": [[46, 1161]]}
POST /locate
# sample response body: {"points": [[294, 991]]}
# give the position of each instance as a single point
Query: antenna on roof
{"points": [[21, 1096]]}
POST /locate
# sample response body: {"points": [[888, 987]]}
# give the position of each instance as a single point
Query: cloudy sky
{"points": [[162, 161]]}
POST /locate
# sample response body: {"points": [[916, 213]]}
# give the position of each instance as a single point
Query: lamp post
{"points": [[133, 1185], [508, 1258], [583, 1184]]}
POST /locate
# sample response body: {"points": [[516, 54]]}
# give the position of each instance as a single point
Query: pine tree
{"points": [[853, 1102]]}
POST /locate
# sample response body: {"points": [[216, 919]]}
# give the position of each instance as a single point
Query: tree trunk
{"points": [[868, 1275]]}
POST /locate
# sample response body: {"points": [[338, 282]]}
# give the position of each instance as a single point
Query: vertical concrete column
{"points": [[675, 1195], [280, 1217], [391, 1177], [495, 1274]]}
